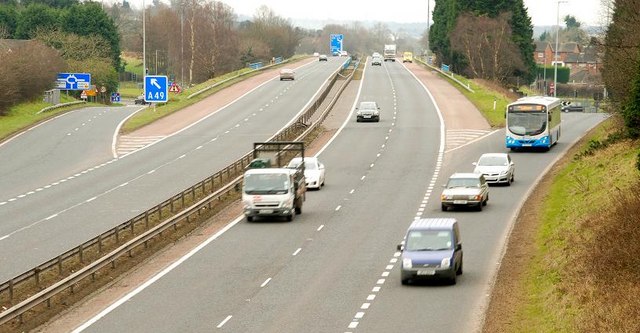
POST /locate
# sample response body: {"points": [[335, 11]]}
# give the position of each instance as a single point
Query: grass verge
{"points": [[577, 266], [26, 114], [483, 97]]}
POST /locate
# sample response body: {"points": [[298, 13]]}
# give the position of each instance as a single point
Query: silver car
{"points": [[496, 168], [465, 189], [376, 61], [287, 74], [368, 111]]}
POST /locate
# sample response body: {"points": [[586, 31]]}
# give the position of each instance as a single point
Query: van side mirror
{"points": [[458, 247], [474, 163], [400, 247]]}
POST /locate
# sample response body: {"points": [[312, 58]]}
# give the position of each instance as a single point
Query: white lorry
{"points": [[274, 191], [389, 52]]}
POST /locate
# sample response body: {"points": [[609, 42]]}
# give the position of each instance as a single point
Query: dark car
{"points": [[431, 249], [140, 100]]}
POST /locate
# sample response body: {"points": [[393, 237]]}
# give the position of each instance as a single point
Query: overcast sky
{"points": [[542, 12]]}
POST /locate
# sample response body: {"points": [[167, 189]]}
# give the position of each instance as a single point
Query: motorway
{"points": [[61, 186], [335, 268]]}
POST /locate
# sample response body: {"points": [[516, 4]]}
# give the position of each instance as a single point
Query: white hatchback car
{"points": [[496, 168], [313, 171]]}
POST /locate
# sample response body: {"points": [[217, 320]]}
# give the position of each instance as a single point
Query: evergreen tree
{"points": [[34, 17], [632, 109], [51, 3], [446, 13], [8, 21], [89, 19]]}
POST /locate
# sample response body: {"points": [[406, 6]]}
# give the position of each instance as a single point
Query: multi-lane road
{"points": [[61, 185], [335, 268]]}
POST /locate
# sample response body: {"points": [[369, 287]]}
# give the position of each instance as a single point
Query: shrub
{"points": [[26, 72]]}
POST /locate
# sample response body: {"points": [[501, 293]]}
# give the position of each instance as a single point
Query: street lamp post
{"points": [[555, 64], [144, 43], [544, 74], [428, 24]]}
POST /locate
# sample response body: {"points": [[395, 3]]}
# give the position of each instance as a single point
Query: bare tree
{"points": [[487, 45]]}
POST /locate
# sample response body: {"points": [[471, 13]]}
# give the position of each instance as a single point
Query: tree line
{"points": [[484, 39], [43, 38]]}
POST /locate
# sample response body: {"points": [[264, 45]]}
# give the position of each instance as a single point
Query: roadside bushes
{"points": [[27, 69]]}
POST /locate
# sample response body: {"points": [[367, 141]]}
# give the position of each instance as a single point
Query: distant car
{"points": [[344, 54], [322, 57], [465, 189], [287, 74], [313, 171], [496, 168], [432, 248], [140, 100], [368, 111], [316, 54], [376, 61], [407, 57], [335, 53], [376, 54], [573, 108]]}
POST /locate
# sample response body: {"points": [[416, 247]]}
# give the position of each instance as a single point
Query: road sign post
{"points": [[156, 89]]}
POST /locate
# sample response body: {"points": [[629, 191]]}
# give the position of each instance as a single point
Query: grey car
{"points": [[376, 61], [368, 111], [465, 190]]}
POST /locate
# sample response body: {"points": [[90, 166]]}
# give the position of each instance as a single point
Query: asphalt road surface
{"points": [[335, 268], [63, 188]]}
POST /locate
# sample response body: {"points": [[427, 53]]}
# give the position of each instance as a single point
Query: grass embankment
{"points": [[583, 272], [26, 114], [483, 96]]}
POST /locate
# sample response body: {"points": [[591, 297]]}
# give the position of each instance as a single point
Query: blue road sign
{"points": [[444, 68], [73, 81], [156, 88], [336, 43], [115, 97]]}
